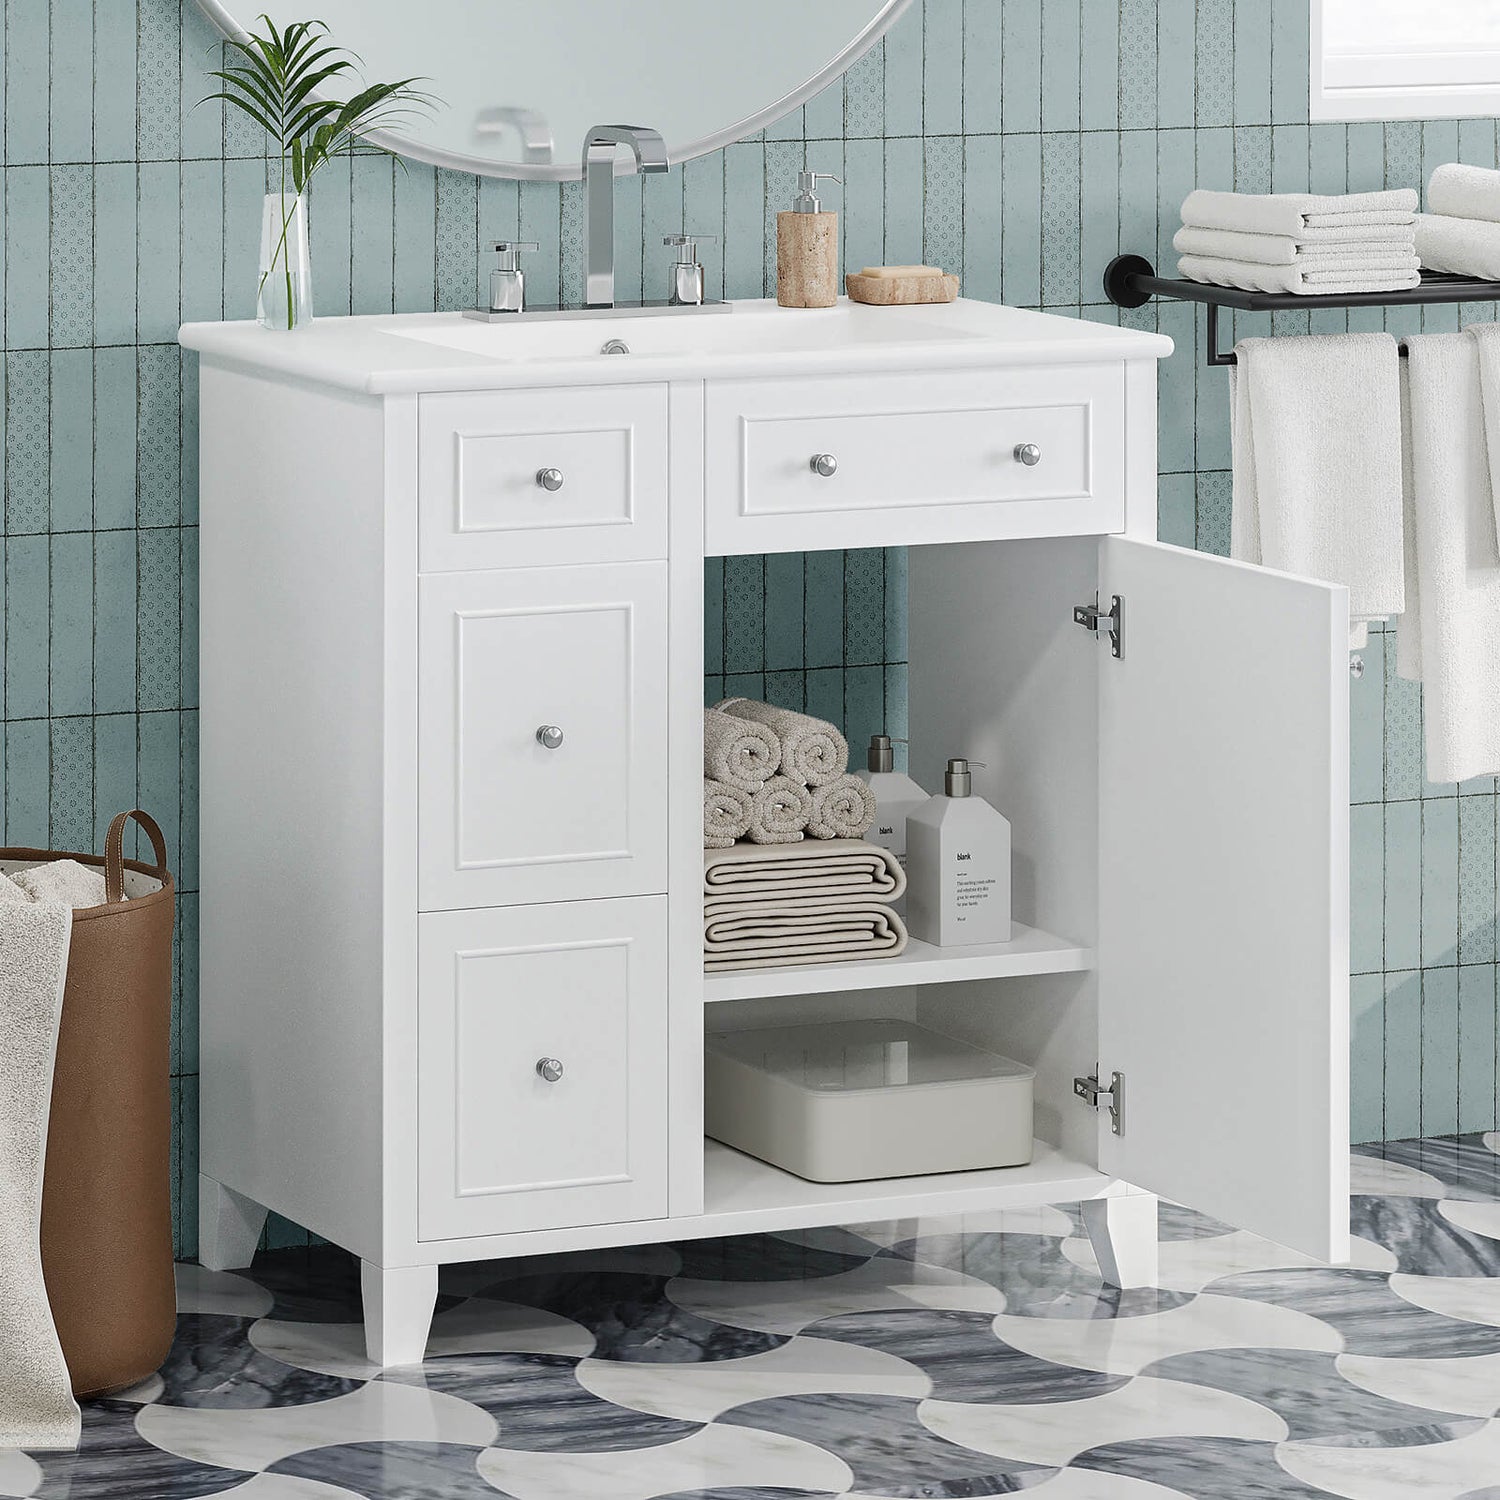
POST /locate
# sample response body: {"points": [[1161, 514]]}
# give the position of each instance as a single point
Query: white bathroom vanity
{"points": [[453, 1003]]}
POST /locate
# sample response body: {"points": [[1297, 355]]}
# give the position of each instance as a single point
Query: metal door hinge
{"points": [[1091, 617], [1089, 1091]]}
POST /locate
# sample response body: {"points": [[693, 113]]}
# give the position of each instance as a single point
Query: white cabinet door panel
{"points": [[1224, 894], [504, 817], [501, 1147]]}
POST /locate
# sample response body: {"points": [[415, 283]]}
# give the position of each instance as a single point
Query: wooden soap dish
{"points": [[891, 291]]}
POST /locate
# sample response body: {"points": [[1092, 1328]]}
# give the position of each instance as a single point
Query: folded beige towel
{"points": [[1464, 192], [770, 935], [1461, 247], [62, 880], [739, 752], [812, 750], [824, 869], [779, 812], [1365, 251], [726, 814], [1300, 279], [842, 809]]}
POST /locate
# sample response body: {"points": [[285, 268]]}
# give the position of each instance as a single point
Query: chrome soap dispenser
{"points": [[958, 866], [807, 248]]}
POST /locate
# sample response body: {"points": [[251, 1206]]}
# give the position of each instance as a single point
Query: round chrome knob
{"points": [[823, 463], [549, 1068], [614, 346], [550, 479], [1356, 666], [1028, 454], [549, 736]]}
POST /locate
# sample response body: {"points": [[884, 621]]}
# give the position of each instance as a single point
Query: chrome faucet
{"points": [[599, 148]]}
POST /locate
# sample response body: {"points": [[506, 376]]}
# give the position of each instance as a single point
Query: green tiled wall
{"points": [[1020, 142]]}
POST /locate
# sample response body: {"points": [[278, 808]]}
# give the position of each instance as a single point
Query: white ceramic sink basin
{"points": [[751, 328]]}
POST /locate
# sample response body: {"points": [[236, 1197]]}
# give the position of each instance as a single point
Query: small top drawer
{"points": [[890, 460], [520, 479]]}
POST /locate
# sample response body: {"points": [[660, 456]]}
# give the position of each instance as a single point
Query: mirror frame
{"points": [[459, 161]]}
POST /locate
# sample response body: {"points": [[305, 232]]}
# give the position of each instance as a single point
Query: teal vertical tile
{"points": [[70, 636], [1328, 158], [201, 282], [187, 438], [159, 775], [1403, 153], [457, 218], [27, 782], [1290, 159], [186, 868], [1176, 384], [1439, 1051], [1403, 733], [330, 214], [1366, 157], [114, 621], [1176, 58], [903, 75], [895, 604], [1440, 881], [1252, 64], [1176, 176], [744, 614], [896, 721], [1367, 888], [662, 214], [1099, 70], [823, 114], [1403, 885], [27, 584], [28, 41], [787, 127], [1098, 211], [70, 811], [570, 238], [864, 95], [1212, 447], [187, 666], [824, 695], [864, 606], [158, 63], [863, 219], [114, 437], [1138, 64], [71, 255], [1366, 1057], [786, 689], [114, 771], [981, 53], [70, 126], [751, 685], [27, 249], [713, 616], [1020, 221], [981, 231], [1061, 58], [1439, 144], [784, 159], [1476, 1047], [1291, 73], [943, 211], [864, 709], [114, 253], [158, 436], [904, 208], [703, 213], [823, 610], [1137, 201], [1061, 231], [1367, 723], [415, 238], [745, 194], [1252, 159], [70, 424], [784, 584], [1214, 63], [200, 119], [1175, 510], [157, 238], [499, 213], [244, 194], [1477, 144], [1021, 66], [114, 90], [187, 960], [1214, 495], [1403, 1054], [1478, 901], [158, 618], [942, 67], [372, 237]]}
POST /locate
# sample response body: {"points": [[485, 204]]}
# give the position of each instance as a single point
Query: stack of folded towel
{"points": [[745, 745], [1460, 232], [1302, 243], [825, 902]]}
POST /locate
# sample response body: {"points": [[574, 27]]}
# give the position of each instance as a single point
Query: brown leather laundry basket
{"points": [[106, 1195]]}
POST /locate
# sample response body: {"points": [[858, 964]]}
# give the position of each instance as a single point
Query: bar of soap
{"points": [[890, 273]]}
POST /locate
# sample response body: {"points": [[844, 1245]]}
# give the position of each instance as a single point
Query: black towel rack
{"points": [[1131, 281]]}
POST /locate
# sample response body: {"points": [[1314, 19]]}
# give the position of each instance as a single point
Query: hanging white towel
{"points": [[1487, 337], [1317, 464], [1292, 213], [1303, 278], [1465, 192], [1450, 636]]}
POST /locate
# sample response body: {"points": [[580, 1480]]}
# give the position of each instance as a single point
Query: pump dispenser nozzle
{"points": [[806, 201]]}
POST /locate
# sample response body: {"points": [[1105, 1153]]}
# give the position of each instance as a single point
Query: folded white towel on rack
{"points": [[1317, 464], [1464, 192], [1302, 279], [1449, 637], [1283, 250], [1461, 247], [1292, 213]]}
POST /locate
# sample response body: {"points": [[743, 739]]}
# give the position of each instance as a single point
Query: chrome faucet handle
{"points": [[508, 280], [686, 287], [686, 243]]}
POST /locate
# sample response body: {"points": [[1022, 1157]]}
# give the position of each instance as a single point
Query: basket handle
{"points": [[114, 851]]}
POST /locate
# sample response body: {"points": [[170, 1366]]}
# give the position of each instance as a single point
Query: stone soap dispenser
{"points": [[958, 866], [807, 248]]}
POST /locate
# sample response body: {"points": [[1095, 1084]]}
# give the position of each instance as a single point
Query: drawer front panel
{"points": [[501, 1147], [504, 816], [483, 503], [918, 459]]}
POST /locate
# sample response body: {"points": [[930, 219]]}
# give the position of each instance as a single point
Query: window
{"points": [[1405, 59]]}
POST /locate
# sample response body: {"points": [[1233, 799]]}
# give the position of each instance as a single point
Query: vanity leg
{"points": [[229, 1226], [398, 1312], [1123, 1233]]}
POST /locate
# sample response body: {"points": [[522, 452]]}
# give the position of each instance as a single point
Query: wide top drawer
{"points": [[537, 478], [889, 460]]}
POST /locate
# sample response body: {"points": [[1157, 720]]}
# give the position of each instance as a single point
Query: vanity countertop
{"points": [[406, 353]]}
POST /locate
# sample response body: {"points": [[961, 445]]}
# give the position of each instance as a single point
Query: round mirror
{"points": [[520, 81]]}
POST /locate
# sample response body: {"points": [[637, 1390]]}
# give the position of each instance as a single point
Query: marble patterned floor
{"points": [[950, 1358]]}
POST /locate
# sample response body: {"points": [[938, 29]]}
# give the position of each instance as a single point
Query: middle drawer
{"points": [[543, 735]]}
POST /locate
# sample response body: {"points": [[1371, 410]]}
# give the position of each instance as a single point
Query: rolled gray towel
{"points": [[779, 812], [726, 814], [842, 809], [736, 751], [812, 750]]}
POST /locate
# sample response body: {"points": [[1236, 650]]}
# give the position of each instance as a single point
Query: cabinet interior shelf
{"points": [[1030, 951]]}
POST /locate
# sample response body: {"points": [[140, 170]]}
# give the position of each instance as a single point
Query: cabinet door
{"points": [[1224, 896], [503, 1144], [512, 814]]}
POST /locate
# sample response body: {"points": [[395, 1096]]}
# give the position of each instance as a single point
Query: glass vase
{"points": [[285, 298]]}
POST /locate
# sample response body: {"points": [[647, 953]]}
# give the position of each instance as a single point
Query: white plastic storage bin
{"points": [[852, 1100]]}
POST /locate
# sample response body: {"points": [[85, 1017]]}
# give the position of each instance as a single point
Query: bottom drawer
{"points": [[542, 1055]]}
